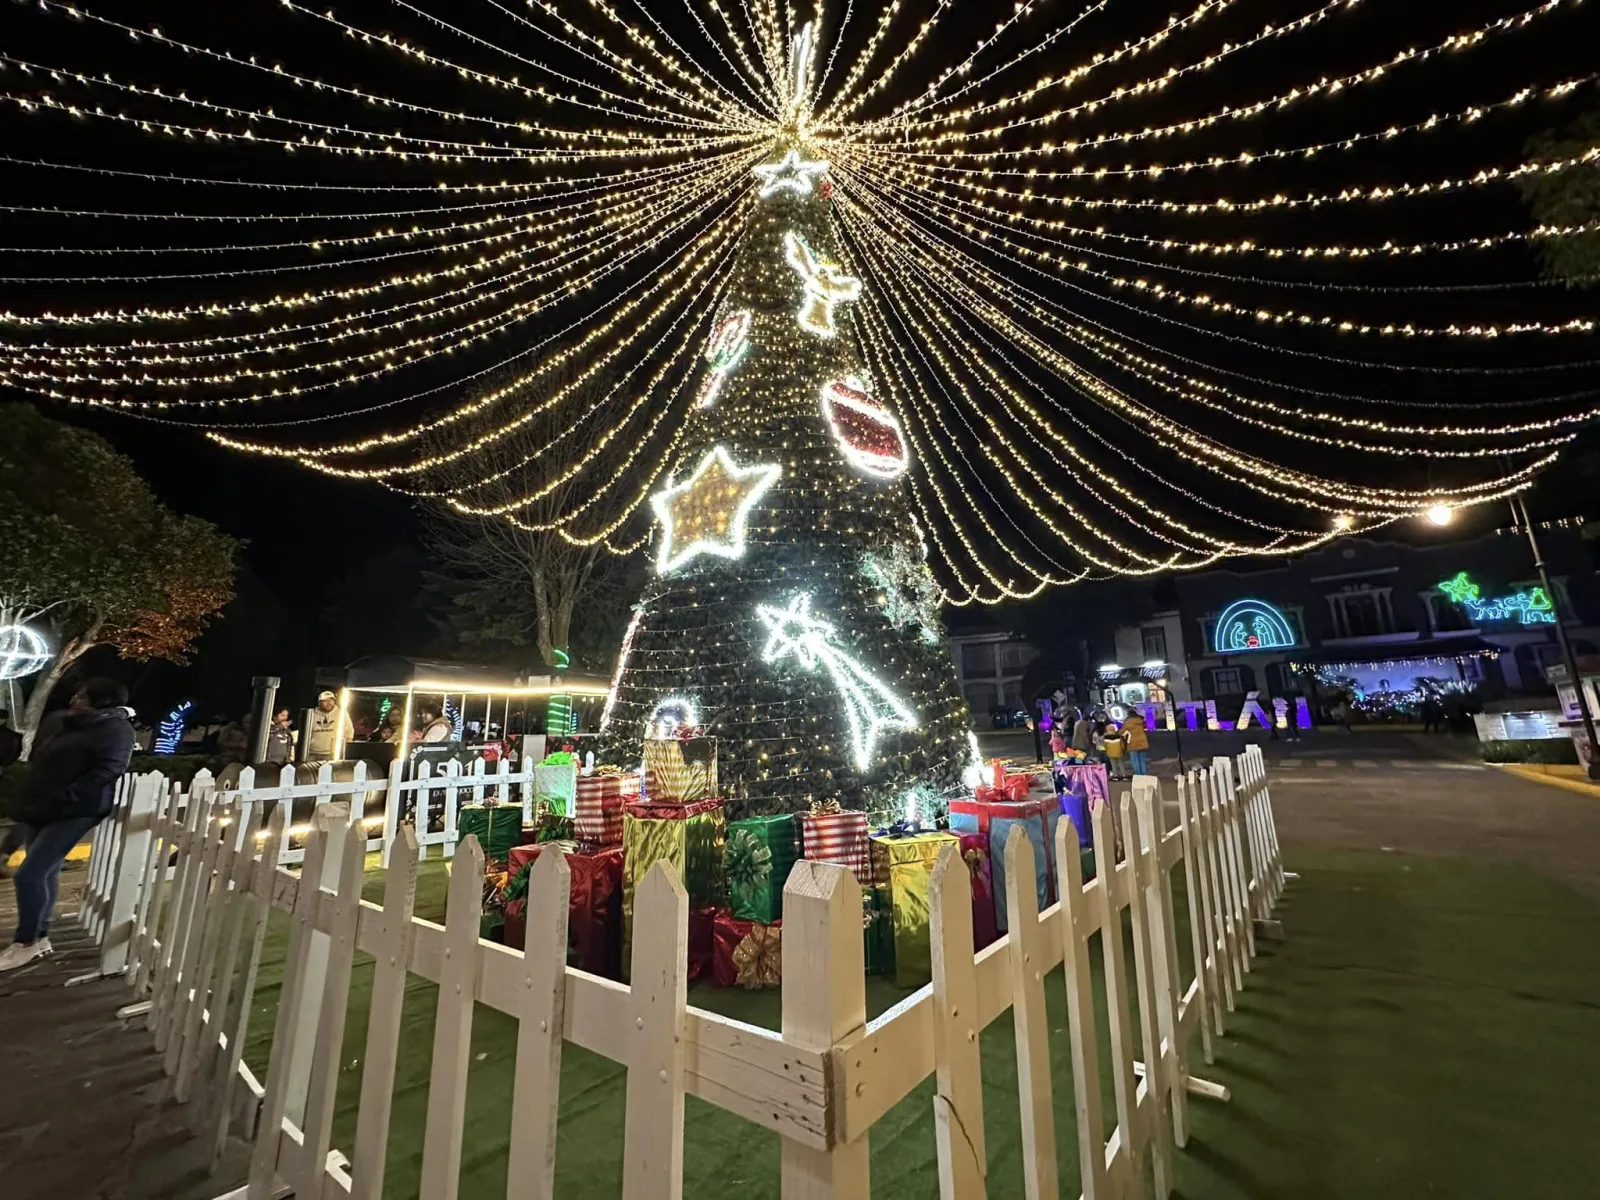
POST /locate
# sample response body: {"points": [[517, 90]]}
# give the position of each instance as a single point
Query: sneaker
{"points": [[19, 955]]}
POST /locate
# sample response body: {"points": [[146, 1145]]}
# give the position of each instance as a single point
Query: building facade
{"points": [[989, 666]]}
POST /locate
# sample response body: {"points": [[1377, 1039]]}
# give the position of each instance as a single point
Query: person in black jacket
{"points": [[71, 787]]}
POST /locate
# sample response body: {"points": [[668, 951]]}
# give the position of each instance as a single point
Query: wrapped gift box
{"points": [[1036, 818], [598, 804], [877, 930], [761, 851], [747, 954], [594, 919], [1087, 779], [498, 827], [831, 835], [680, 769], [985, 924], [689, 836], [905, 866], [556, 784]]}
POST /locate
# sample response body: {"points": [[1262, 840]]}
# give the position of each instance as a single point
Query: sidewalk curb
{"points": [[1537, 774]]}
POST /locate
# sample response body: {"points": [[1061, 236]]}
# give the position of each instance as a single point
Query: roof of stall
{"points": [[398, 672]]}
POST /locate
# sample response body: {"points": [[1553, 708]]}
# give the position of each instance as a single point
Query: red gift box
{"points": [[835, 836], [985, 924], [597, 807], [670, 810], [702, 942], [983, 811], [762, 962], [594, 917]]}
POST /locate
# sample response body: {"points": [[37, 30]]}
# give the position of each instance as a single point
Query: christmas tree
{"points": [[792, 613]]}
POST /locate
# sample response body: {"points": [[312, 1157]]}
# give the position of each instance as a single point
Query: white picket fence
{"points": [[192, 930]]}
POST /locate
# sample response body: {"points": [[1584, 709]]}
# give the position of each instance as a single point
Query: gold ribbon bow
{"points": [[759, 957], [825, 808]]}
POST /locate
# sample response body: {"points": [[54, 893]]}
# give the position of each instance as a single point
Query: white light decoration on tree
{"points": [[706, 513], [910, 595], [824, 282], [169, 734], [725, 349], [870, 707], [1072, 249], [791, 173], [671, 714], [869, 435], [23, 651]]}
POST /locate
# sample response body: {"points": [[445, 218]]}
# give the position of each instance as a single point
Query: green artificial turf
{"points": [[1427, 1028]]}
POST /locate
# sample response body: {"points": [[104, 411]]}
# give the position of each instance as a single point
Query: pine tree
{"points": [[792, 607]]}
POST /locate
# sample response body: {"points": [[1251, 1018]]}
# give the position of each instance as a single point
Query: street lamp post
{"points": [[1519, 510]]}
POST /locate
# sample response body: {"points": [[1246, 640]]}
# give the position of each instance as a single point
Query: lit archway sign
{"points": [[1252, 625]]}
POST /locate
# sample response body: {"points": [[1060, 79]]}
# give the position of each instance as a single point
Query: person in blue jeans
{"points": [[71, 787], [1137, 740]]}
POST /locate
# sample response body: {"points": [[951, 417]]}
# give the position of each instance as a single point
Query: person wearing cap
{"points": [[329, 727]]}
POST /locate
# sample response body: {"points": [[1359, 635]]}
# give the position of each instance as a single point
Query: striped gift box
{"points": [[597, 815], [837, 837]]}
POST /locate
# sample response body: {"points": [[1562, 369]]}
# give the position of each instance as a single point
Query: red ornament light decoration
{"points": [[869, 435]]}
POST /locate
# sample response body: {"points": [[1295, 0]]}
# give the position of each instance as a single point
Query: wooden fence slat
{"points": [[1142, 863], [1169, 971], [652, 1152], [171, 937], [824, 1010], [180, 968], [535, 1097], [1077, 923], [393, 955], [126, 879], [244, 846], [217, 910], [958, 1096], [145, 919], [1127, 1172], [452, 1026], [1234, 842], [1201, 935], [1039, 1172], [324, 1081], [264, 1161], [1228, 945], [191, 987]]}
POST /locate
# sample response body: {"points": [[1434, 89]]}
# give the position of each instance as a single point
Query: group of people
{"points": [[1125, 748]]}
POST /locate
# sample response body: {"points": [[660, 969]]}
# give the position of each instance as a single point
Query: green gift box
{"points": [[760, 853], [498, 826], [904, 866]]}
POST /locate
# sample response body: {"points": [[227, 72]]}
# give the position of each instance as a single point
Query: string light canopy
{"points": [[1127, 293]]}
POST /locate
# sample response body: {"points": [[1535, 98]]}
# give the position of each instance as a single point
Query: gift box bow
{"points": [[825, 808], [749, 865], [759, 957]]}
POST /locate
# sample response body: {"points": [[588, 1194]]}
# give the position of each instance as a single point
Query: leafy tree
{"points": [[90, 558], [1568, 199]]}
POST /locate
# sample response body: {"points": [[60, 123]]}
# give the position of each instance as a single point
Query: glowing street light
{"points": [[1343, 521], [1440, 514]]}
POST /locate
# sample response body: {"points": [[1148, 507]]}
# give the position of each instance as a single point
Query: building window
{"points": [[1014, 656], [1155, 643], [980, 697], [977, 660], [1447, 616], [1226, 681], [1362, 612], [1011, 696]]}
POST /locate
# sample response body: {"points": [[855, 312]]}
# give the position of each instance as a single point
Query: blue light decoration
{"points": [[1252, 625], [169, 735], [1530, 608]]}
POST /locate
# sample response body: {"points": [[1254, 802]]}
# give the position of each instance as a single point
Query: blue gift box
{"points": [[1038, 820]]}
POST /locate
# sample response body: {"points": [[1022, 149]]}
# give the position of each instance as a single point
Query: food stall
{"points": [[458, 711]]}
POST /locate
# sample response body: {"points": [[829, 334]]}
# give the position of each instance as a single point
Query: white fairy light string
{"points": [[1016, 214]]}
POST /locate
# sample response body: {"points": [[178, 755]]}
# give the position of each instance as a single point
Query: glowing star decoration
{"points": [[869, 435], [825, 285], [870, 707], [706, 513], [725, 349], [23, 651], [1531, 608], [791, 173], [1252, 625]]}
